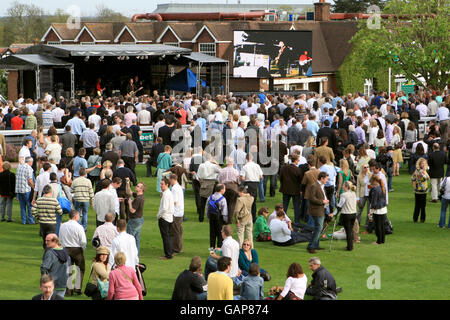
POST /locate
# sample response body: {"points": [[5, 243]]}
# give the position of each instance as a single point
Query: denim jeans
{"points": [[318, 225], [297, 205], [444, 206], [389, 174], [82, 208], [60, 293], [6, 207], [58, 223], [134, 227], [261, 190], [25, 207], [272, 185]]}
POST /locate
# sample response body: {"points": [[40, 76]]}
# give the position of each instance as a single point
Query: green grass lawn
{"points": [[413, 263]]}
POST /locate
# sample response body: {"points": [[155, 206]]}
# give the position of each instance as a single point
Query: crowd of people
{"points": [[331, 155]]}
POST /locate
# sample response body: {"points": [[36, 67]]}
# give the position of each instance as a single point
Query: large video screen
{"points": [[272, 54]]}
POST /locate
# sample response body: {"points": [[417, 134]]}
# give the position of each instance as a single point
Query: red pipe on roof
{"points": [[200, 16]]}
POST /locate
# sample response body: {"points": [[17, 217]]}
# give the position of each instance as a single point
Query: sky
{"points": [[127, 8]]}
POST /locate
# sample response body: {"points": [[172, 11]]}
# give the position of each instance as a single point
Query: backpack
{"points": [[213, 208], [442, 189]]}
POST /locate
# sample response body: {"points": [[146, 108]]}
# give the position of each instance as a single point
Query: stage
{"points": [[72, 71]]}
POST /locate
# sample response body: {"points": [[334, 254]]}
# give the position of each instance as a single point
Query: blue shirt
{"points": [[361, 135], [77, 125], [313, 127], [274, 123], [335, 101], [326, 105], [262, 98], [78, 163], [202, 123], [33, 141], [331, 171]]}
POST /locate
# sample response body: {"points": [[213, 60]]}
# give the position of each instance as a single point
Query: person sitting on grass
{"points": [[261, 229], [295, 285], [220, 285], [190, 284], [247, 256], [282, 235], [252, 288]]}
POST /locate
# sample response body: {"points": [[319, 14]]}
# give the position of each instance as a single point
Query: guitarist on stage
{"points": [[98, 87], [130, 86]]}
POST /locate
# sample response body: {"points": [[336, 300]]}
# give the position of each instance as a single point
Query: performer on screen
{"points": [[304, 61], [281, 59]]}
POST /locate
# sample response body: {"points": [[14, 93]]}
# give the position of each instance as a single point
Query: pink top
{"points": [[128, 118], [121, 288]]}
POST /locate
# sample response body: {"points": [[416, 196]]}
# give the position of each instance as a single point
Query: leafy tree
{"points": [[413, 41], [24, 23], [106, 14]]}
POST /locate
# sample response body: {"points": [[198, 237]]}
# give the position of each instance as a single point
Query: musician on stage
{"points": [[131, 87], [98, 87]]}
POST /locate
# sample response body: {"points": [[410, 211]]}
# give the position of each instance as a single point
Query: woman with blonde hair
{"points": [[420, 180], [362, 191], [373, 131], [247, 256], [347, 206], [40, 143], [123, 282], [309, 147], [397, 157], [345, 174], [362, 158]]}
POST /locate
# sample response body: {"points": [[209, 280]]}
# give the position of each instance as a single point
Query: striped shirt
{"points": [[82, 189], [228, 174], [47, 119], [90, 139], [24, 173], [45, 210]]}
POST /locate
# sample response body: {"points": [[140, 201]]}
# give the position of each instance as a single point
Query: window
{"points": [[207, 48], [53, 42], [86, 43], [173, 44], [127, 43], [367, 86]]}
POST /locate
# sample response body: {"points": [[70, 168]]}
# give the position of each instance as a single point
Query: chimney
{"points": [[321, 11]]}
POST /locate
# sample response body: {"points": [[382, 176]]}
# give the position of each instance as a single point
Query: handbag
{"points": [[90, 288], [140, 268], [264, 236], [103, 287], [64, 203]]}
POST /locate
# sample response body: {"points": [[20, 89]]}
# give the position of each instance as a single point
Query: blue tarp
{"points": [[183, 81]]}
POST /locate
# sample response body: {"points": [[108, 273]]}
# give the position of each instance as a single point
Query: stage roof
{"points": [[106, 50], [31, 62], [204, 58]]}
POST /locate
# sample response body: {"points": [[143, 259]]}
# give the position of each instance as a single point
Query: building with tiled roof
{"points": [[330, 43]]}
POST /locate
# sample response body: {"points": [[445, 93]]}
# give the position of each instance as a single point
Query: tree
{"points": [[24, 23], [354, 6], [106, 14], [413, 41]]}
